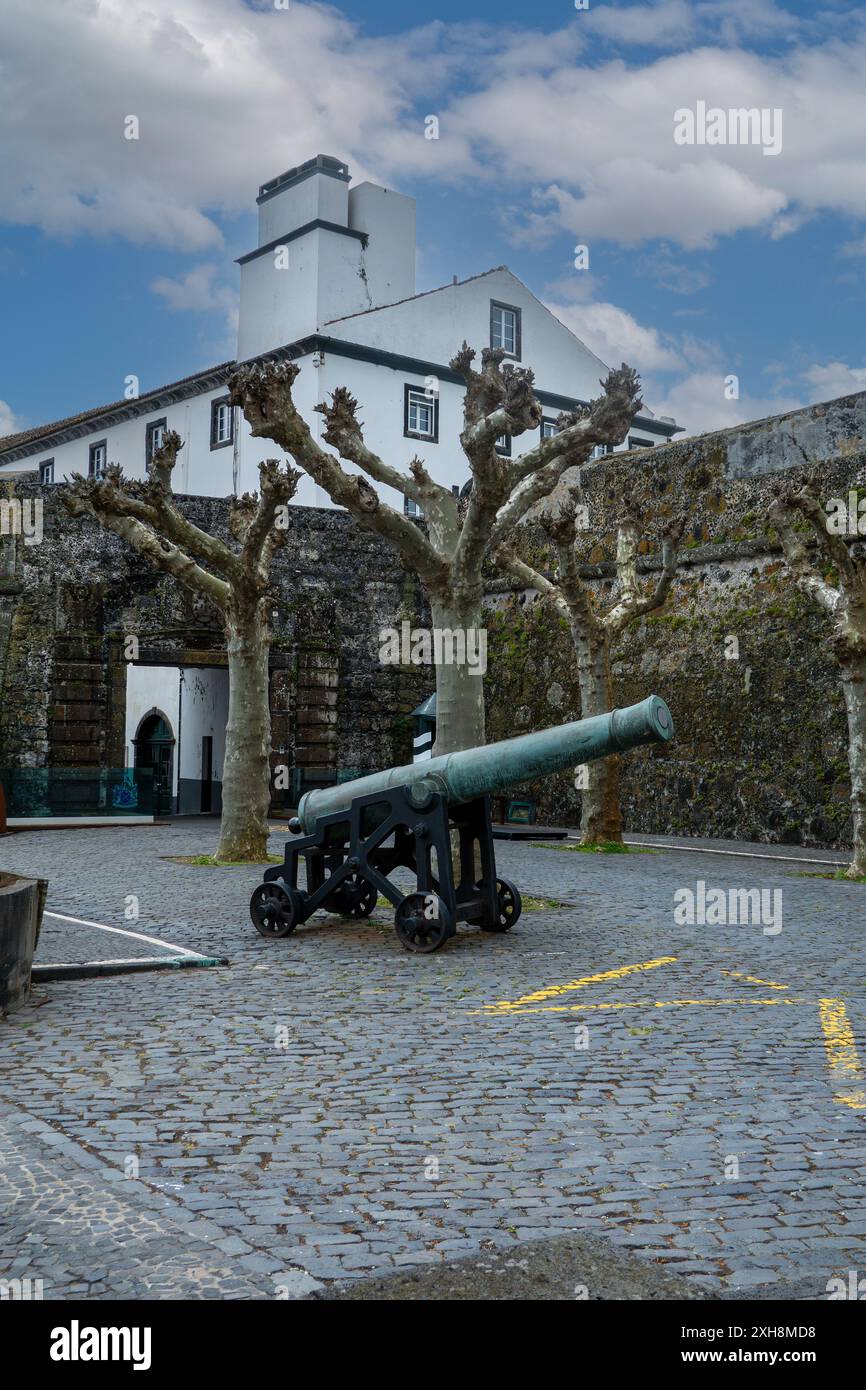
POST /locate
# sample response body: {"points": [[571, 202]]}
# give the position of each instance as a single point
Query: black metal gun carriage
{"points": [[360, 833]]}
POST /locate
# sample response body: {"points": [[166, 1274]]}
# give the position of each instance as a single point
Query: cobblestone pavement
{"points": [[400, 1120]]}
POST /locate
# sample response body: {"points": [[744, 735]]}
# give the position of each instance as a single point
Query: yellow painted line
{"points": [[553, 991], [753, 979], [639, 1004], [841, 1049]]}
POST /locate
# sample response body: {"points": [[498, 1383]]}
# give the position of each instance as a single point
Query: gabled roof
{"points": [[456, 284], [210, 378], [452, 284], [24, 437]]}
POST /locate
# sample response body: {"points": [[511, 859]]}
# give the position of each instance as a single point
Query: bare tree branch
{"points": [[344, 432], [499, 401], [633, 603], [162, 553], [605, 420], [506, 558], [264, 392], [277, 487]]}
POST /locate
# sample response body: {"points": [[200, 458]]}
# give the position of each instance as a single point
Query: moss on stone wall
{"points": [[761, 742]]}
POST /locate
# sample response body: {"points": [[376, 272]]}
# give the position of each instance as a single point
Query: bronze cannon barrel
{"points": [[475, 772]]}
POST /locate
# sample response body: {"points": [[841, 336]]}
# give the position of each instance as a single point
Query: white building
{"points": [[331, 284]]}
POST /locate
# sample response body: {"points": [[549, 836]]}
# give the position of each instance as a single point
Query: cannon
{"points": [[352, 837]]}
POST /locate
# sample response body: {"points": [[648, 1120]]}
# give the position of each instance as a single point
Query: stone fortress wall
{"points": [[760, 751]]}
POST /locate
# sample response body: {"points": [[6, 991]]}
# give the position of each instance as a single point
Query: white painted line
{"points": [[737, 853], [121, 931]]}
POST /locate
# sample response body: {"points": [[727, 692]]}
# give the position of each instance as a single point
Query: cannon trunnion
{"points": [[352, 838]]}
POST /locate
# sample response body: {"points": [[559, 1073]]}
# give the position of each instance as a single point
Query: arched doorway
{"points": [[154, 749]]}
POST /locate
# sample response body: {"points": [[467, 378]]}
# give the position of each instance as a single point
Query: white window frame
{"points": [[498, 336], [221, 410], [97, 470], [416, 399], [153, 429]]}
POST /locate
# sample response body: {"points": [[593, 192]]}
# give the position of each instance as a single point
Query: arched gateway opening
{"points": [[154, 749]]}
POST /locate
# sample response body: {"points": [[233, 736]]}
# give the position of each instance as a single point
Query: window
{"points": [[503, 445], [98, 459], [634, 443], [549, 428], [153, 438], [600, 450], [411, 508], [46, 471], [420, 414], [222, 423], [505, 328]]}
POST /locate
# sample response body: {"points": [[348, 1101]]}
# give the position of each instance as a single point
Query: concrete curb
{"points": [[94, 969]]}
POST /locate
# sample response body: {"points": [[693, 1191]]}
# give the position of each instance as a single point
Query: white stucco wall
{"points": [[194, 700], [199, 469], [434, 326], [149, 688], [279, 296], [332, 274], [389, 260], [204, 712]]}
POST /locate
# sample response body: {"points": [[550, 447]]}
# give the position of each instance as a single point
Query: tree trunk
{"points": [[246, 771], [853, 675], [600, 815], [459, 685]]}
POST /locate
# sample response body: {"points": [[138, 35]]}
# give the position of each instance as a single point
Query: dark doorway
{"points": [[154, 749], [206, 774]]}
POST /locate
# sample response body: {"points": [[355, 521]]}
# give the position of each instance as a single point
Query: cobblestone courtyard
{"points": [[159, 1135]]}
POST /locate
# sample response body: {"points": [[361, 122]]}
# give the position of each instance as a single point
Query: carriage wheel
{"points": [[354, 897], [510, 906], [275, 909], [423, 922]]}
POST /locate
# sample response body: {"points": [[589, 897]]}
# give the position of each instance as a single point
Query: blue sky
{"points": [[116, 257]]}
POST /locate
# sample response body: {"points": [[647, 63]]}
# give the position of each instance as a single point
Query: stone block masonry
{"points": [[68, 605], [761, 740]]}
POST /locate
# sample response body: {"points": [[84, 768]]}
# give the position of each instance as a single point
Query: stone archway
{"points": [[154, 745]]}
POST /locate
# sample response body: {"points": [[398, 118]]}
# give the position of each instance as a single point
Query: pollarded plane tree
{"points": [[236, 581], [448, 554], [833, 575], [594, 631]]}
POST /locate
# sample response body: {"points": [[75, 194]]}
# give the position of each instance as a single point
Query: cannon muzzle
{"points": [[475, 772]]}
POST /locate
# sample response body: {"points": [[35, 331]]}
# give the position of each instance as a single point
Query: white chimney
{"points": [[323, 252]]}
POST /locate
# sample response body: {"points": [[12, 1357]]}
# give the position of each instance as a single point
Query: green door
{"points": [[154, 749]]}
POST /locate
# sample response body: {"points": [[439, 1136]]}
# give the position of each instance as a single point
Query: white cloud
{"points": [[834, 379], [597, 141], [228, 94], [685, 376], [10, 423], [616, 336], [670, 23], [697, 401], [654, 26], [197, 291]]}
